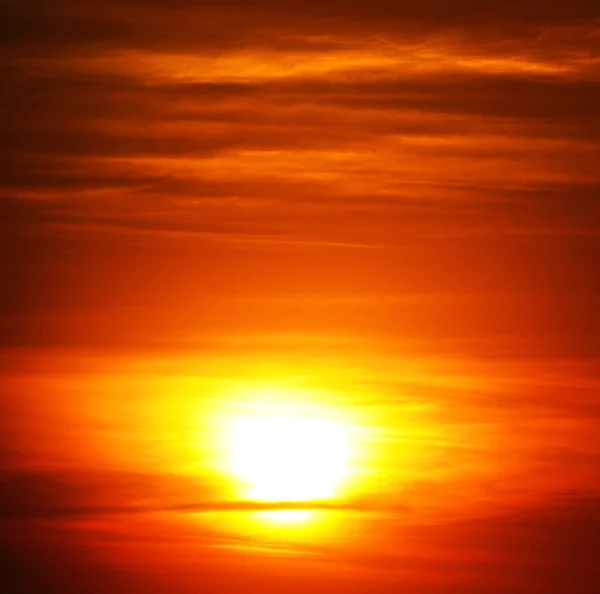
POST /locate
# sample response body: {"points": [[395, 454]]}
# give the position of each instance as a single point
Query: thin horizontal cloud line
{"points": [[80, 230], [191, 508]]}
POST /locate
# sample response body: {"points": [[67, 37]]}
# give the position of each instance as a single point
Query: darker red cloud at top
{"points": [[455, 149], [152, 23]]}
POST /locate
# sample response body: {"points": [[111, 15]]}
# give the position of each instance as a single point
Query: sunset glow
{"points": [[300, 296]]}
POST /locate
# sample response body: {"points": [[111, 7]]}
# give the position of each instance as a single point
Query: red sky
{"points": [[392, 206]]}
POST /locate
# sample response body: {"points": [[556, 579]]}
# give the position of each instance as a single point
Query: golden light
{"points": [[287, 457], [287, 516]]}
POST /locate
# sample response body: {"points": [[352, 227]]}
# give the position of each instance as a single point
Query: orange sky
{"points": [[389, 210]]}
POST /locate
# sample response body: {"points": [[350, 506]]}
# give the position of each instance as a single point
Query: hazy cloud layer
{"points": [[549, 548], [458, 145]]}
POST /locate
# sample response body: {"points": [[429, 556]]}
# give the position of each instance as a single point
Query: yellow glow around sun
{"points": [[287, 457]]}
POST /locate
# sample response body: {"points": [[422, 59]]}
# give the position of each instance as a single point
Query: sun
{"points": [[288, 457]]}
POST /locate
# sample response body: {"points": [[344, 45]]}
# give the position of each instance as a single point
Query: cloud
{"points": [[30, 495], [548, 546], [338, 110], [455, 149]]}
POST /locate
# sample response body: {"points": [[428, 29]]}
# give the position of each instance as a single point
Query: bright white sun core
{"points": [[287, 457]]}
